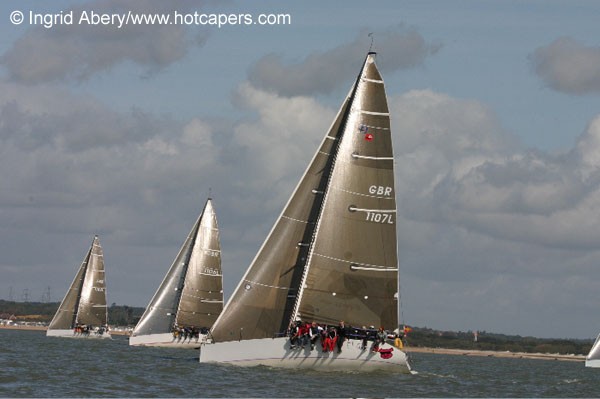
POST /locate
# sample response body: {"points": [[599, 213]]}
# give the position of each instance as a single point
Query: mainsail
{"points": [[85, 301], [331, 254], [191, 293]]}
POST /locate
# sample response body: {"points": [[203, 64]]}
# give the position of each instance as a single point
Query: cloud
{"points": [[285, 134], [568, 66], [75, 167], [78, 51], [323, 72], [465, 173]]}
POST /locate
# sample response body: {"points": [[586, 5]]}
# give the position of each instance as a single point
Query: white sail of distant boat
{"points": [[83, 312], [190, 297], [593, 358], [331, 255]]}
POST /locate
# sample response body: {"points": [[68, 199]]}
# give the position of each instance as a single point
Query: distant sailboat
{"points": [[83, 312], [331, 254], [190, 297], [593, 358]]}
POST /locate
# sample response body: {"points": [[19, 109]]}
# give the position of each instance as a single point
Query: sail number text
{"points": [[211, 271], [380, 190], [379, 217], [212, 252]]}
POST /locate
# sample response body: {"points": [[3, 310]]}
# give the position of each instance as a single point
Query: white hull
{"points": [[276, 352], [595, 363], [71, 334], [165, 340]]}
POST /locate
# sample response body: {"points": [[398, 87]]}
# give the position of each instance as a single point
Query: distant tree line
{"points": [[426, 337], [121, 315]]}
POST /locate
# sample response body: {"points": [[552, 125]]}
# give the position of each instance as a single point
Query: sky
{"points": [[124, 130]]}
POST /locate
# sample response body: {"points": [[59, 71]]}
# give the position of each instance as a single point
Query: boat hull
{"points": [[165, 340], [71, 334], [276, 352], [595, 363]]}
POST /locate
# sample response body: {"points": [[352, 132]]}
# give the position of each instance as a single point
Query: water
{"points": [[32, 365]]}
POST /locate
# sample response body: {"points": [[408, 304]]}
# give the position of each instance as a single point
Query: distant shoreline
{"points": [[481, 353], [44, 328]]}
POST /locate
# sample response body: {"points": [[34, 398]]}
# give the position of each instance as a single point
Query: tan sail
{"points": [[92, 304], [352, 272], [202, 296], [191, 294], [64, 319], [263, 303], [85, 301]]}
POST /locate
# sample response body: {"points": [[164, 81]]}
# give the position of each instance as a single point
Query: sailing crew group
{"points": [[333, 337], [182, 334], [86, 329]]}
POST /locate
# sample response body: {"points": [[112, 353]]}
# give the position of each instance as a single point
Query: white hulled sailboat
{"points": [[190, 297], [593, 358], [83, 312], [331, 255]]}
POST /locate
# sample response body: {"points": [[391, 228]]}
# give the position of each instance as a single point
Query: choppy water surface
{"points": [[33, 365]]}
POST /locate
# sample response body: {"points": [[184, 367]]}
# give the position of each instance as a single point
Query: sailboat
{"points": [[331, 255], [83, 312], [190, 297], [593, 358]]}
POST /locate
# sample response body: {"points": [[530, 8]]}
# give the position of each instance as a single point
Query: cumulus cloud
{"points": [[87, 154], [323, 72], [568, 66], [79, 167], [286, 132], [469, 175], [78, 51]]}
